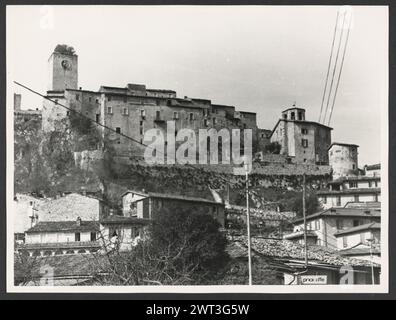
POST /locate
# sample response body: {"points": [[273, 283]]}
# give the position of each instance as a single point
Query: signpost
{"points": [[312, 280]]}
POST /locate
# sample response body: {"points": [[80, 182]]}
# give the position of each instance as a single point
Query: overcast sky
{"points": [[258, 58]]}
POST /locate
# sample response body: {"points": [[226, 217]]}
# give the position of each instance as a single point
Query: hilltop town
{"points": [[81, 181]]}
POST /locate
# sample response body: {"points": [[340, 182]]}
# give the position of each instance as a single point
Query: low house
{"points": [[362, 242], [122, 233], [287, 259], [373, 170], [147, 205], [359, 189], [325, 224], [61, 237]]}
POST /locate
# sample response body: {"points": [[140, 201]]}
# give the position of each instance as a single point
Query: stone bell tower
{"points": [[63, 69]]}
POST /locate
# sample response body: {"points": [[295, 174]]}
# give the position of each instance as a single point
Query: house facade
{"points": [[301, 140], [148, 205], [323, 226], [345, 190], [343, 159], [61, 237]]}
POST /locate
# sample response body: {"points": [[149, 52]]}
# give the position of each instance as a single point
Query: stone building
{"points": [[301, 140], [134, 109], [343, 159]]}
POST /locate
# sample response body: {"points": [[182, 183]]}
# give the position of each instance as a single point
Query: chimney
{"points": [[17, 101], [78, 221]]}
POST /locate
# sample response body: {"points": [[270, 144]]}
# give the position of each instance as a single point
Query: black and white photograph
{"points": [[197, 149]]}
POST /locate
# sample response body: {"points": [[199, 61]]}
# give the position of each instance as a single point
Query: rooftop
{"points": [[171, 196], [302, 122], [343, 144], [363, 227], [344, 212], [373, 166], [290, 250], [64, 226]]}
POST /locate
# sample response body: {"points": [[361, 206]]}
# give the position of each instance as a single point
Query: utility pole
{"points": [[305, 224], [371, 258], [248, 225]]}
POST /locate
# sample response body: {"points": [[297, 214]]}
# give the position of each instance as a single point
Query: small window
{"points": [[97, 118], [352, 184], [191, 116], [89, 99], [369, 184], [175, 115], [97, 100], [293, 116], [93, 236], [340, 224], [109, 110], [125, 111], [338, 201], [108, 98], [356, 198], [214, 121], [304, 131], [68, 113], [304, 143], [324, 199], [143, 113], [206, 122], [356, 223], [77, 236], [344, 242], [118, 130], [77, 97], [158, 114]]}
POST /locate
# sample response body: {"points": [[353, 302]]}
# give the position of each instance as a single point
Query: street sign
{"points": [[310, 280]]}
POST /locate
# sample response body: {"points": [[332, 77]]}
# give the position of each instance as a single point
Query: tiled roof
{"points": [[344, 212], [360, 251], [172, 196], [290, 250], [265, 214], [366, 204], [343, 144], [373, 166], [363, 227], [64, 226]]}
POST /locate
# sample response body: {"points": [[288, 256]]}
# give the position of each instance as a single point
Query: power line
{"points": [[328, 67], [334, 70], [339, 75]]}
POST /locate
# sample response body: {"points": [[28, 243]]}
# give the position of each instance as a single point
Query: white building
{"points": [[360, 189]]}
